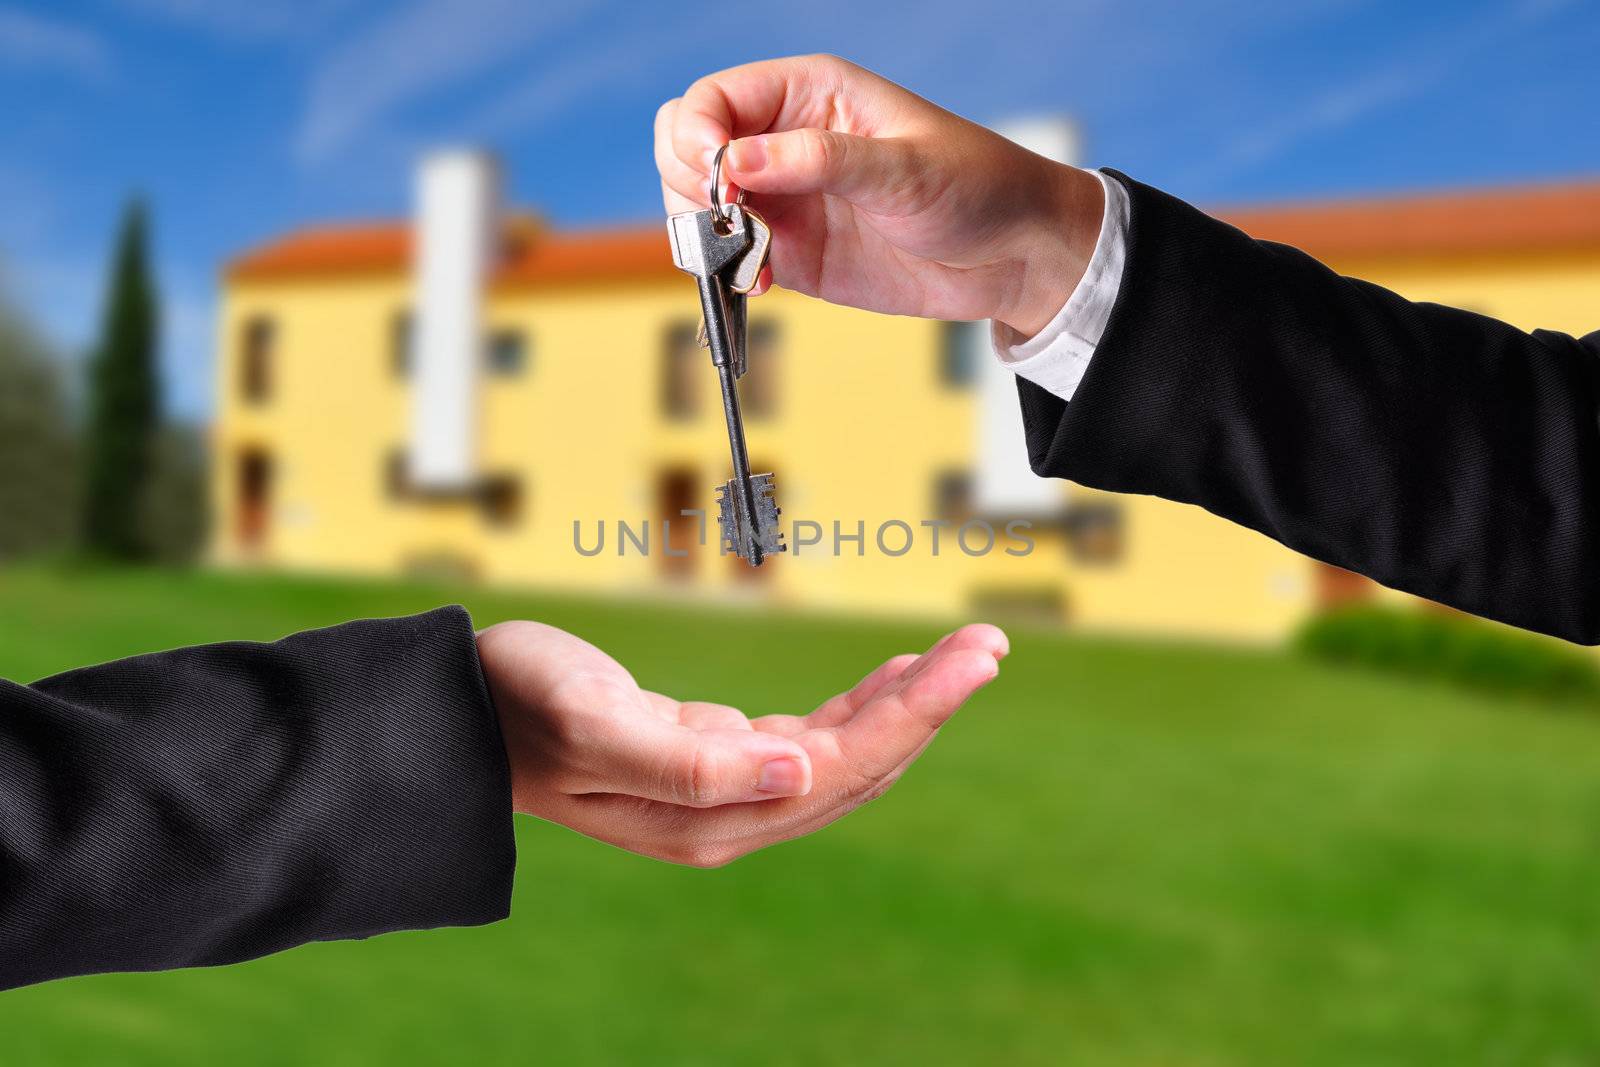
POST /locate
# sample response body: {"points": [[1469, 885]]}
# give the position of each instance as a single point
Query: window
{"points": [[507, 353], [743, 573], [254, 499], [681, 374], [958, 351], [400, 344], [502, 501], [952, 495], [1337, 587], [396, 474], [1041, 604], [759, 390], [678, 489], [255, 361], [1095, 533]]}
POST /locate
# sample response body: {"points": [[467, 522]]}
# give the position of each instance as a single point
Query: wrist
{"points": [[493, 643], [1054, 246]]}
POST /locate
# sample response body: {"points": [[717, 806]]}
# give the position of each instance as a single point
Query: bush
{"points": [[1466, 651], [173, 519], [38, 453]]}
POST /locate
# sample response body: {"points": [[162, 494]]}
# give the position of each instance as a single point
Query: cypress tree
{"points": [[123, 400]]}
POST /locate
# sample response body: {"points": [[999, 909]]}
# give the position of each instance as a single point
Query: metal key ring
{"points": [[716, 186]]}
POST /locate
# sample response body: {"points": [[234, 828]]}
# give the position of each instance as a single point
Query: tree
{"points": [[123, 401], [173, 518], [38, 453]]}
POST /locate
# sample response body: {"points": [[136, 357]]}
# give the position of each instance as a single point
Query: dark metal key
{"points": [[709, 244]]}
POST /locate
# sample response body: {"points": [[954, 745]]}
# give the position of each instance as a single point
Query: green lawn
{"points": [[1120, 853]]}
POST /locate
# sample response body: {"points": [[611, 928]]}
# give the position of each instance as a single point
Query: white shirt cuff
{"points": [[1056, 357]]}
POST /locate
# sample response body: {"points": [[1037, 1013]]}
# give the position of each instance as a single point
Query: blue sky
{"points": [[239, 120]]}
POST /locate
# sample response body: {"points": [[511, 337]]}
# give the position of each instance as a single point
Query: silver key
{"points": [[742, 276], [704, 242], [707, 244], [746, 271]]}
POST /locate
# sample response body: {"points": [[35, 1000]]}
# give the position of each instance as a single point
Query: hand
{"points": [[881, 200], [700, 783]]}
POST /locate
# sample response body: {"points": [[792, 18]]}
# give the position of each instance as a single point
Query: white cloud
{"points": [[29, 40], [241, 20], [610, 59], [616, 58], [1419, 67], [429, 46]]}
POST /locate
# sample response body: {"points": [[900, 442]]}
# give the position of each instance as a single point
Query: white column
{"points": [[1004, 486], [456, 229]]}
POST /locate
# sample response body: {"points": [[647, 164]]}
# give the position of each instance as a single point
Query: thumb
{"points": [[659, 760], [870, 171]]}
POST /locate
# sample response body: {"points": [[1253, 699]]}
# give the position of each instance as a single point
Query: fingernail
{"points": [[748, 155], [782, 777]]}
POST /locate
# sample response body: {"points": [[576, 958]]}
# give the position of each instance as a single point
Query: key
{"points": [[746, 270], [742, 277], [706, 246]]}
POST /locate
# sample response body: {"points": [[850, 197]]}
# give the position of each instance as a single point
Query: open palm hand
{"points": [[701, 783]]}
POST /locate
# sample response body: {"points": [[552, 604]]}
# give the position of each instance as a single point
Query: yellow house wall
{"points": [[1551, 292], [864, 428]]}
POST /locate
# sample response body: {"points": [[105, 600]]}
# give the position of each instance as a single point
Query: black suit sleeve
{"points": [[1437, 451], [214, 804]]}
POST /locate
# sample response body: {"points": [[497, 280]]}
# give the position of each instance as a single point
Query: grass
{"points": [[1121, 853]]}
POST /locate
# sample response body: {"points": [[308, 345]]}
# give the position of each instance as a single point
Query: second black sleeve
{"points": [[1437, 451]]}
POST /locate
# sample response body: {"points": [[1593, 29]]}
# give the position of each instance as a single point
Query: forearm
{"points": [[1435, 450], [214, 804]]}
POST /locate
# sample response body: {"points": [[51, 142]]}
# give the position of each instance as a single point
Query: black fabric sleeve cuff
{"points": [[213, 804], [1440, 452]]}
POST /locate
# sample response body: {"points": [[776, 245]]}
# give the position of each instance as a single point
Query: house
{"points": [[472, 392]]}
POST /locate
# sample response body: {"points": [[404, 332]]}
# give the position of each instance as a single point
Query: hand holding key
{"points": [[725, 250], [881, 200]]}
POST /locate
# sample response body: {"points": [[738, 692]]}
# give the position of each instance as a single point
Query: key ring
{"points": [[716, 185]]}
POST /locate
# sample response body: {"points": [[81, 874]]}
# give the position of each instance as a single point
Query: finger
{"points": [[782, 725], [747, 99], [891, 727], [880, 679], [662, 706], [854, 768], [763, 281], [839, 708], [671, 763], [878, 173], [853, 764], [856, 763], [699, 715], [682, 189], [974, 636], [815, 817]]}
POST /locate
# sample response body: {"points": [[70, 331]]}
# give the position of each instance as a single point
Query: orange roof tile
{"points": [[362, 248], [532, 257], [623, 253], [1557, 217]]}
